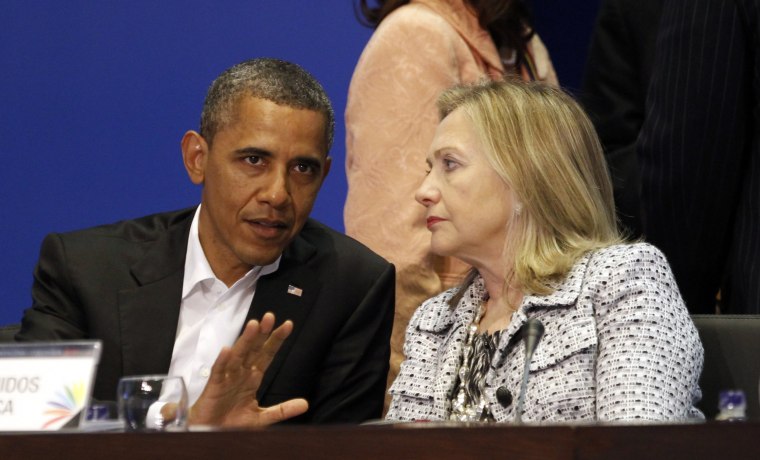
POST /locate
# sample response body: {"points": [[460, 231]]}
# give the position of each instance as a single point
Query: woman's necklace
{"points": [[468, 403]]}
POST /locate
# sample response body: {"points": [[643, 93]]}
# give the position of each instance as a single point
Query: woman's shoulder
{"points": [[624, 268], [628, 254], [414, 18]]}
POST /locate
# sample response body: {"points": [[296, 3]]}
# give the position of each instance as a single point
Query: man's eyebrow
{"points": [[253, 151]]}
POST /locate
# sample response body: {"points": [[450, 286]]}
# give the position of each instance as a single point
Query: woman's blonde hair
{"points": [[542, 144]]}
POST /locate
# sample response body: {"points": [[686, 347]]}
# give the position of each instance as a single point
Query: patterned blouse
{"points": [[618, 345]]}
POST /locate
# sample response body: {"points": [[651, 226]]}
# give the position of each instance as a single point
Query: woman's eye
{"points": [[449, 164]]}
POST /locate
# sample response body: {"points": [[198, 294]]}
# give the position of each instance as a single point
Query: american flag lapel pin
{"points": [[296, 291]]}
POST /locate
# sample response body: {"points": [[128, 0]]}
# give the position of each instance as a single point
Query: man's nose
{"points": [[276, 191]]}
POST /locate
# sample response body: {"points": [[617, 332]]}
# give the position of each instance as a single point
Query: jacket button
{"points": [[504, 396]]}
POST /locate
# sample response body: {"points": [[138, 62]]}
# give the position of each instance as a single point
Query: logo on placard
{"points": [[66, 403]]}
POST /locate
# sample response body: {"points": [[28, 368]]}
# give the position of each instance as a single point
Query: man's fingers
{"points": [[264, 357], [282, 332], [249, 343], [283, 411], [255, 347], [253, 338], [267, 323], [263, 347], [169, 412], [219, 368]]}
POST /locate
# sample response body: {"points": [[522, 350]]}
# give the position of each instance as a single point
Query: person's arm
{"points": [[693, 142], [351, 385], [649, 356], [614, 90], [55, 313], [614, 82]]}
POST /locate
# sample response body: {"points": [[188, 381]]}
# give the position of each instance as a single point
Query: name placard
{"points": [[43, 386]]}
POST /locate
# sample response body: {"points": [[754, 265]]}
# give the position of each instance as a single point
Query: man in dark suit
{"points": [[171, 293], [700, 152], [618, 70]]}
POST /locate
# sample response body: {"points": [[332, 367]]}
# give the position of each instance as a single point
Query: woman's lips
{"points": [[433, 220]]}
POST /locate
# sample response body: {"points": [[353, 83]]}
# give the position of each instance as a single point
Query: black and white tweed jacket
{"points": [[618, 345]]}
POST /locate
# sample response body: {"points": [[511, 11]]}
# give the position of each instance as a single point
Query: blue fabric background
{"points": [[95, 96]]}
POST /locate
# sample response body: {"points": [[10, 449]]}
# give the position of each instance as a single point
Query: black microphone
{"points": [[533, 330], [512, 342]]}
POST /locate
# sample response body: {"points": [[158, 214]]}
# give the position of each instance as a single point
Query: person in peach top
{"points": [[419, 49]]}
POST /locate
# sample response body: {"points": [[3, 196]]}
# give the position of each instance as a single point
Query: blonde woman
{"points": [[517, 187], [419, 49]]}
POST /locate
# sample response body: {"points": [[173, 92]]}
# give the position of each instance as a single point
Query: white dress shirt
{"points": [[211, 314]]}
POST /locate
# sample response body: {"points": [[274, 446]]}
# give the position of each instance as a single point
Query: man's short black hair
{"points": [[281, 82]]}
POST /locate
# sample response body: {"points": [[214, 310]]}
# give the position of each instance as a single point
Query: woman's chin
{"points": [[442, 249]]}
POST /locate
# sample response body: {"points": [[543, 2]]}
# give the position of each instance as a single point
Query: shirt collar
{"points": [[198, 270]]}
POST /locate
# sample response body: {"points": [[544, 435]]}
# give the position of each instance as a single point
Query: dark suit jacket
{"points": [[700, 151], [122, 284], [615, 83]]}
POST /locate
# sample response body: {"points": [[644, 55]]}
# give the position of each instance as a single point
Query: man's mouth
{"points": [[268, 228]]}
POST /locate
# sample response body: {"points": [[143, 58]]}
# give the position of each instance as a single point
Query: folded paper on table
{"points": [[43, 386]]}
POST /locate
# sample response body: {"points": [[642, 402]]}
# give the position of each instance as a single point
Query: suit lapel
{"points": [[149, 312], [289, 293]]}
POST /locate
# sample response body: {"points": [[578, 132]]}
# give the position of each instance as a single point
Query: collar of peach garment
{"points": [[463, 19]]}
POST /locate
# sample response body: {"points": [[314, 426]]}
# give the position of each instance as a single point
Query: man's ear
{"points": [[194, 156]]}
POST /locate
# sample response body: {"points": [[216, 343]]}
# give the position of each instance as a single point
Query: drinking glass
{"points": [[153, 403]]}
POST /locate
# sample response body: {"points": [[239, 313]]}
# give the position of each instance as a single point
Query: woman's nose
{"points": [[427, 193]]}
